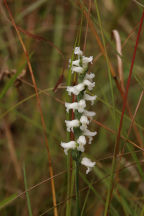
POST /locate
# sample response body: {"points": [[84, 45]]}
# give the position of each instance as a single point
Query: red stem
{"points": [[127, 87], [116, 150]]}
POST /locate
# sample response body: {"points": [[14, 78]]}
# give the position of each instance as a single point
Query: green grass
{"points": [[27, 194], [64, 24]]}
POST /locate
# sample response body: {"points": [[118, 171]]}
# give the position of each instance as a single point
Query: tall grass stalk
{"points": [[27, 194], [77, 188]]}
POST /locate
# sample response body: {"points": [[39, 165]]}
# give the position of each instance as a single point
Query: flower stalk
{"points": [[77, 188], [82, 117]]}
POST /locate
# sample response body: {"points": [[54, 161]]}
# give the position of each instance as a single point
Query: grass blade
{"points": [[27, 194], [7, 201]]}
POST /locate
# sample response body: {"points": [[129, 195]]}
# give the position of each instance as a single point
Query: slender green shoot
{"points": [[27, 194]]}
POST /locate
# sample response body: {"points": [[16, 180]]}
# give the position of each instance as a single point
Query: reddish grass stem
{"points": [[127, 87], [116, 150]]}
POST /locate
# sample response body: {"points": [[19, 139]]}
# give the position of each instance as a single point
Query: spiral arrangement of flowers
{"points": [[79, 125]]}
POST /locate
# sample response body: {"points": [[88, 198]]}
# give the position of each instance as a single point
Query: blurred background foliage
{"points": [[49, 30]]}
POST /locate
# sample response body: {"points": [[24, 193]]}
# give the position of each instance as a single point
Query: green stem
{"points": [[68, 186], [77, 188]]}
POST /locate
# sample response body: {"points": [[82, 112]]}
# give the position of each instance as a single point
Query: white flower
{"points": [[69, 145], [71, 124], [86, 60], [76, 106], [89, 76], [89, 113], [84, 121], [73, 106], [90, 98], [76, 62], [80, 87], [89, 134], [75, 89], [81, 106], [82, 142], [88, 163], [77, 69], [89, 84], [77, 51], [85, 82]]}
